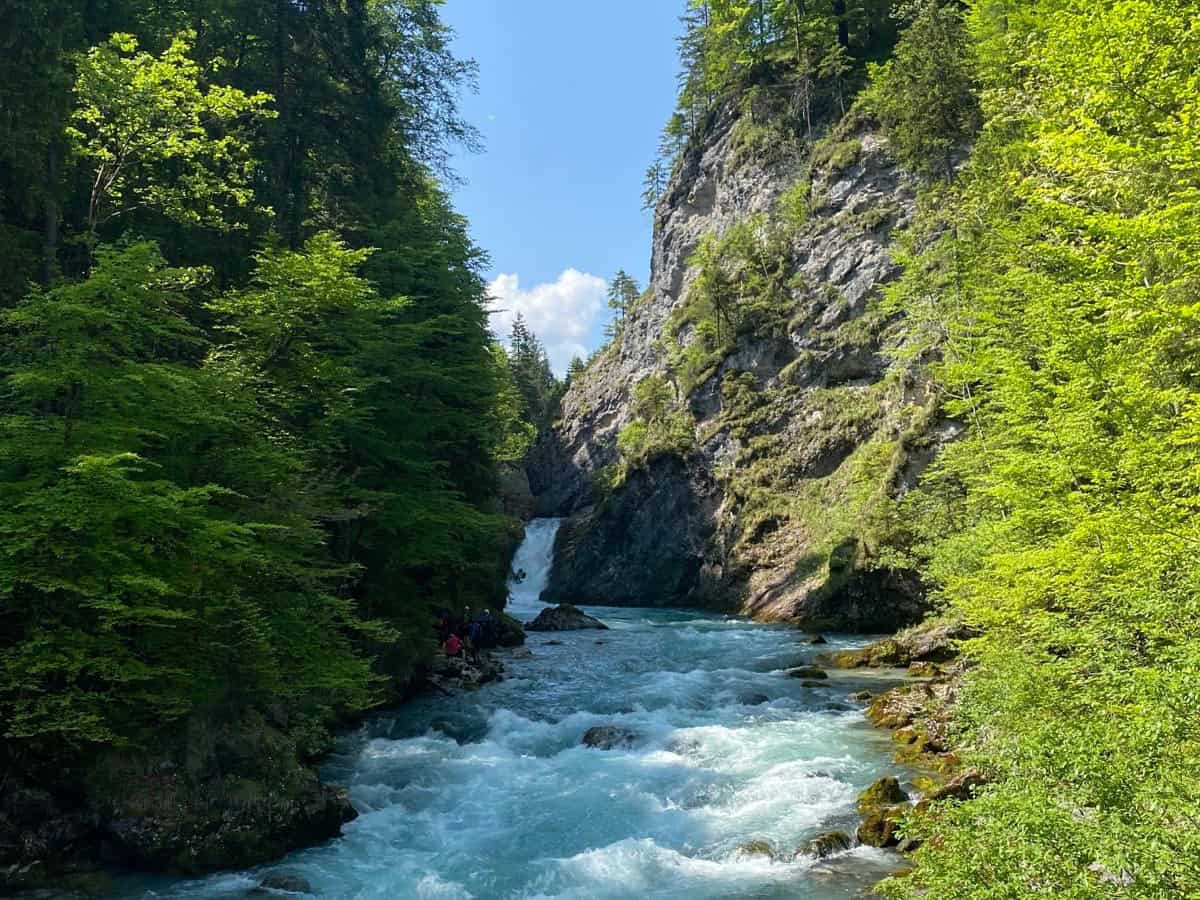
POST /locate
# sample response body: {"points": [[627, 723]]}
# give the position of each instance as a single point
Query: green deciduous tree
{"points": [[152, 135], [1059, 278]]}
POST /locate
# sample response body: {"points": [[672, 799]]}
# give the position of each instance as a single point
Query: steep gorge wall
{"points": [[804, 428]]}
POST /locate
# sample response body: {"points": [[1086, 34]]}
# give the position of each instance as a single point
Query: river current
{"points": [[492, 796]]}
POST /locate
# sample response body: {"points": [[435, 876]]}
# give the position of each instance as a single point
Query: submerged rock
{"points": [[826, 844], [818, 639], [282, 882], [564, 618], [809, 672], [757, 848], [608, 737]]}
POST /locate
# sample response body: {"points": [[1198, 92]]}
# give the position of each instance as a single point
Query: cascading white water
{"points": [[492, 796], [531, 567]]}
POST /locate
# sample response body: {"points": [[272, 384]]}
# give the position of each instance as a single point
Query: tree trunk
{"points": [[839, 10], [50, 211]]}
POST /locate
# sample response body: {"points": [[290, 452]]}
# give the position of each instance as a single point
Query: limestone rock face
{"points": [[645, 548], [564, 618], [790, 420]]}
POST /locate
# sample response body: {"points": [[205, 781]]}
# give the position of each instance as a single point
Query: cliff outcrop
{"points": [[740, 444]]}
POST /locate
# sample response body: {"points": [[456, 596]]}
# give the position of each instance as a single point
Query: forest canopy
{"points": [[253, 413]]}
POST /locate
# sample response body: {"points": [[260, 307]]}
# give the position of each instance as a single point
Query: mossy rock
{"points": [[826, 844], [923, 670], [886, 712], [880, 825], [512, 632], [884, 792], [962, 787], [845, 659], [887, 653]]}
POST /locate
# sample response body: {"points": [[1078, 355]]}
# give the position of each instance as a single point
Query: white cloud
{"points": [[562, 314]]}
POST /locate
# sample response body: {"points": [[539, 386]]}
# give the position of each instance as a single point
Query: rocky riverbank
{"points": [[221, 795], [918, 714]]}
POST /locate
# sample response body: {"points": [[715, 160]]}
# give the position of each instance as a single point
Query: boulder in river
{"points": [[608, 737], [826, 844], [879, 825], [883, 806], [883, 792], [511, 633], [564, 618]]}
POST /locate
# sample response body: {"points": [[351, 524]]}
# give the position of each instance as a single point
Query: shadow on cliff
{"points": [[646, 544]]}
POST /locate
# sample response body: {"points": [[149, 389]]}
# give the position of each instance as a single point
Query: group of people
{"points": [[464, 636]]}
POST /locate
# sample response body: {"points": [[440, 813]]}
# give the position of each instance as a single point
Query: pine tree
{"points": [[575, 369]]}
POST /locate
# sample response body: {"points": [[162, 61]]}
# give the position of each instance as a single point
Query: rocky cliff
{"points": [[792, 426]]}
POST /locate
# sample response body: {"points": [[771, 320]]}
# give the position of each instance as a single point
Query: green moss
{"points": [[835, 155]]}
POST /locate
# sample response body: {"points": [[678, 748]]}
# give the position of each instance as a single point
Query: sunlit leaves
{"points": [[155, 136]]}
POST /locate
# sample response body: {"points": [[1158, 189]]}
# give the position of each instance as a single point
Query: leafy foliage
{"points": [[925, 95], [246, 452], [787, 63], [153, 136], [1056, 283]]}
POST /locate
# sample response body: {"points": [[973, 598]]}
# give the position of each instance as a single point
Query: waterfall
{"points": [[531, 568]]}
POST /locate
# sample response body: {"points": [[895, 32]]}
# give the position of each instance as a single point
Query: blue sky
{"points": [[572, 98]]}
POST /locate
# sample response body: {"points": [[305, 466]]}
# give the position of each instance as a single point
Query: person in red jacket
{"points": [[453, 645]]}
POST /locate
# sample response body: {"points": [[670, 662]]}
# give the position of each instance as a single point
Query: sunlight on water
{"points": [[492, 795]]}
